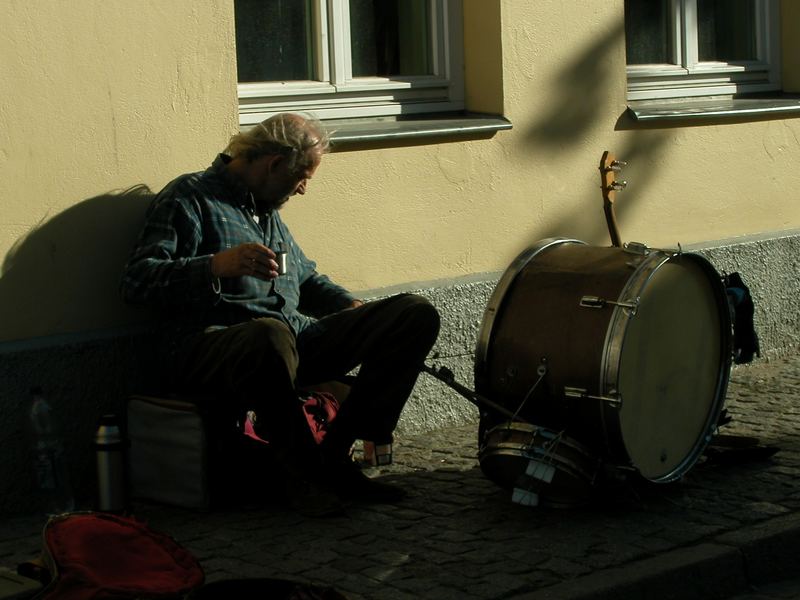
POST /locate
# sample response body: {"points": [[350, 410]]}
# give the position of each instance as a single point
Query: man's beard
{"points": [[269, 204]]}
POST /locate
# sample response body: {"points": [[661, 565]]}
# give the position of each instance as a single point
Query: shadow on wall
{"points": [[642, 153], [578, 100], [64, 277], [69, 262], [579, 93]]}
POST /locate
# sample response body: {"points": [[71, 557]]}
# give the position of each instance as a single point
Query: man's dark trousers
{"points": [[258, 365]]}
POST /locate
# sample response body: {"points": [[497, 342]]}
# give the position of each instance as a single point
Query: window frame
{"points": [[687, 76], [336, 94]]}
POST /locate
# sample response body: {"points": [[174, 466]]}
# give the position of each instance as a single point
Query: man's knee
{"points": [[268, 332], [422, 311], [269, 339], [420, 318]]}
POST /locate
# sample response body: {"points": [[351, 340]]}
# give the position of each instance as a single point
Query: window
{"points": [[348, 58], [683, 48]]}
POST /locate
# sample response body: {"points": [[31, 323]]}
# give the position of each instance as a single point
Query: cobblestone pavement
{"points": [[726, 526], [788, 589]]}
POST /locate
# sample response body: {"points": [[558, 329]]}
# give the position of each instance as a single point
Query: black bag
{"points": [[745, 339]]}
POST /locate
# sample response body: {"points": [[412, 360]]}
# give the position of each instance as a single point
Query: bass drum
{"points": [[626, 350]]}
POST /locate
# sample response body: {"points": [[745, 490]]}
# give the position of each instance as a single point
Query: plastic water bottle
{"points": [[110, 451], [50, 469]]}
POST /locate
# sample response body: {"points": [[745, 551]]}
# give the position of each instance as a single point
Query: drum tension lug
{"points": [[636, 248], [541, 370], [573, 392], [597, 302]]}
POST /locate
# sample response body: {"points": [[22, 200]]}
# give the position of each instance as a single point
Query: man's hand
{"points": [[356, 304], [255, 260]]}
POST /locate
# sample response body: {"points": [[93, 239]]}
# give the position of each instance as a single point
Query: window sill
{"points": [[350, 132], [714, 108]]}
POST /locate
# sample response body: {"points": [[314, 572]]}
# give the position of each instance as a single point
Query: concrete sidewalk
{"points": [[723, 528]]}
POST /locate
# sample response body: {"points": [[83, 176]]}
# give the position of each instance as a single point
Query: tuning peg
{"points": [[617, 165], [618, 186]]}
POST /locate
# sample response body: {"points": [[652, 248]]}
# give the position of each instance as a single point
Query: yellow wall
{"points": [[100, 96], [446, 210], [483, 52]]}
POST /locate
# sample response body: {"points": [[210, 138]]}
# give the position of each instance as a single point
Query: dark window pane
{"points": [[390, 37], [726, 30], [647, 38], [273, 40]]}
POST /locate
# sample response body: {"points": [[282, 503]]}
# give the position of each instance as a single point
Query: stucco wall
{"points": [[98, 97]]}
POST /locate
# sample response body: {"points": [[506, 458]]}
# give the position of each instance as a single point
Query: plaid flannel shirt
{"points": [[192, 218]]}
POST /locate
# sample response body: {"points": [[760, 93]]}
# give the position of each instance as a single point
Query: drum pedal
{"points": [[524, 497], [536, 469], [530, 487]]}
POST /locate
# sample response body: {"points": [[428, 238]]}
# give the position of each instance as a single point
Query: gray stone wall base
{"points": [[770, 267], [82, 380], [88, 376]]}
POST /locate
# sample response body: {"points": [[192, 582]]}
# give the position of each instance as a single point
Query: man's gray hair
{"points": [[288, 134]]}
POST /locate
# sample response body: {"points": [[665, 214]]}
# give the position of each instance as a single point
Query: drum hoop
{"points": [[499, 294], [524, 450], [615, 335], [612, 355], [559, 461], [567, 442]]}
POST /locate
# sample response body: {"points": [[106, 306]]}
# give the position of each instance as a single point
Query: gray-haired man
{"points": [[251, 334]]}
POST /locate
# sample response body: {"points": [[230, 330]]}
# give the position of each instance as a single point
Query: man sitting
{"points": [[250, 324]]}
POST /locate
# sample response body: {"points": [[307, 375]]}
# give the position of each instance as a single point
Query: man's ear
{"points": [[272, 161]]}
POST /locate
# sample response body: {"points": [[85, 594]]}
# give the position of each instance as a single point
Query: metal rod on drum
{"points": [[446, 376]]}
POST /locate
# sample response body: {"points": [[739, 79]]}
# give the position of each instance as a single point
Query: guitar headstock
{"points": [[609, 167]]}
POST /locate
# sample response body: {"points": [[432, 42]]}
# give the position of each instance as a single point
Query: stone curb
{"points": [[719, 568], [770, 549]]}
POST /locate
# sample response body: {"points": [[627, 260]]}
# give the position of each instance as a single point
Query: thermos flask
{"points": [[110, 450]]}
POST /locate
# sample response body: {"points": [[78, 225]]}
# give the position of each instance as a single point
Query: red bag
{"points": [[100, 555], [320, 409]]}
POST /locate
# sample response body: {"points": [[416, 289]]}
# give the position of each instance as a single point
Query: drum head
{"points": [[671, 368]]}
